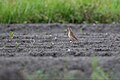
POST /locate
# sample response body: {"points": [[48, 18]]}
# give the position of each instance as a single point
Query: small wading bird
{"points": [[71, 35]]}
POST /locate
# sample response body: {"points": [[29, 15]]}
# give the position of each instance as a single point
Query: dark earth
{"points": [[46, 48]]}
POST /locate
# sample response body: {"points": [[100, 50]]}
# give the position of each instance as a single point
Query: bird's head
{"points": [[69, 29]]}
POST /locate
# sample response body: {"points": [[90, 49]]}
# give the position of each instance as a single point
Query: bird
{"points": [[71, 35]]}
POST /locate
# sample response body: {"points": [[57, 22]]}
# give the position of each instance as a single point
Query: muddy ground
{"points": [[46, 47]]}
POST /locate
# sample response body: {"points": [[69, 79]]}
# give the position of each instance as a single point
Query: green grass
{"points": [[11, 35], [39, 75], [98, 73], [59, 11]]}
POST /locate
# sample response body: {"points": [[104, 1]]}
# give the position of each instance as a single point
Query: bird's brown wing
{"points": [[73, 35]]}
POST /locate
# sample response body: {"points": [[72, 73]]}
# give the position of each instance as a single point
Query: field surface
{"points": [[46, 48]]}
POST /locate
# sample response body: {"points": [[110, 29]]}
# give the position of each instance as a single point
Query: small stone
{"points": [[68, 50], [55, 38], [94, 24], [65, 30], [50, 35], [52, 43]]}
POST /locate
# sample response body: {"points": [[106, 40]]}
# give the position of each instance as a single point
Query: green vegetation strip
{"points": [[98, 73], [59, 11]]}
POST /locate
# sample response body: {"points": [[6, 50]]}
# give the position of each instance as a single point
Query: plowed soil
{"points": [[46, 47]]}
